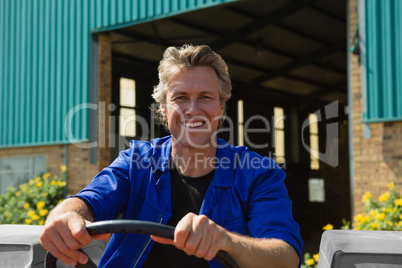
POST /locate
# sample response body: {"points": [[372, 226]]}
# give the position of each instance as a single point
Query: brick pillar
{"points": [[377, 159], [104, 98]]}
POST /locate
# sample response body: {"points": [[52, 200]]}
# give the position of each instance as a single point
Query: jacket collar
{"points": [[224, 164], [161, 154]]}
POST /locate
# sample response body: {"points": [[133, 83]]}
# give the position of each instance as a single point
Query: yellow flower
{"points": [[366, 197], [18, 193], [62, 183], [41, 222], [384, 197], [380, 216], [391, 185], [53, 183], [328, 227], [40, 204], [46, 175], [37, 179], [374, 213], [23, 187], [28, 221], [375, 226], [31, 213], [389, 223], [35, 217], [39, 184], [315, 256], [398, 202], [43, 212], [310, 261], [63, 168], [387, 210], [365, 219], [26, 205], [359, 218]]}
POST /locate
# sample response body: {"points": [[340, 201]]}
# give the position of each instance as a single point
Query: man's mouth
{"points": [[194, 124]]}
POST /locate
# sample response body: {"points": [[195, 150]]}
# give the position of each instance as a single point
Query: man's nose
{"points": [[193, 107]]}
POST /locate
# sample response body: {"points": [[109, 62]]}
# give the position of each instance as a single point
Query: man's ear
{"points": [[222, 108], [163, 108]]}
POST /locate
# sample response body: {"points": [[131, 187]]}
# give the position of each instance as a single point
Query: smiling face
{"points": [[193, 107]]}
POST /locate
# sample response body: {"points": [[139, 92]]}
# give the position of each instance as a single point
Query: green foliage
{"points": [[310, 261], [31, 202], [383, 214], [345, 224]]}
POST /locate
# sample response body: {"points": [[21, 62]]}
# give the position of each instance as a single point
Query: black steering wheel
{"points": [[135, 227]]}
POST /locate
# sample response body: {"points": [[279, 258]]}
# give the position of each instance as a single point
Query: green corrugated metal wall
{"points": [[45, 60], [383, 22]]}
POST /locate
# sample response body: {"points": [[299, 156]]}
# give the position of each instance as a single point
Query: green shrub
{"points": [[310, 262], [385, 213], [31, 202]]}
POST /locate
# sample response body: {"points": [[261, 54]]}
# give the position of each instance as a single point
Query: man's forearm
{"points": [[252, 252], [73, 205]]}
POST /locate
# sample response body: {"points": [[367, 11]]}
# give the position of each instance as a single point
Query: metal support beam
{"points": [[252, 44], [307, 100], [296, 64], [278, 25], [230, 61], [260, 23]]}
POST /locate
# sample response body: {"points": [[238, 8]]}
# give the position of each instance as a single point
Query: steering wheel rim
{"points": [[135, 227]]}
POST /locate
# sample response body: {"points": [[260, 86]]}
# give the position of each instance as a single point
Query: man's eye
{"points": [[205, 97]]}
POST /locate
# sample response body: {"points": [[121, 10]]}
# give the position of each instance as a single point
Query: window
{"points": [[279, 118], [240, 118], [17, 170], [127, 121], [314, 142], [316, 190]]}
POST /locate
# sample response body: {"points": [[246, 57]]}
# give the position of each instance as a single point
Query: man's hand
{"points": [[64, 233], [197, 235]]}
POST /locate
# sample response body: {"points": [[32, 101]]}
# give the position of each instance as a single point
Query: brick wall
{"points": [[377, 159], [79, 169], [104, 98]]}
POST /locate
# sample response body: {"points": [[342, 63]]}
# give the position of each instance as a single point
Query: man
{"points": [[218, 196]]}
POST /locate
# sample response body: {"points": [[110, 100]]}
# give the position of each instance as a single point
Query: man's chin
{"points": [[196, 143]]}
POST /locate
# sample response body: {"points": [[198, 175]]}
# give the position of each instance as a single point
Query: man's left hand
{"points": [[197, 235]]}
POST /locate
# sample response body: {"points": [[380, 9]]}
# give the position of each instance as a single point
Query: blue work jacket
{"points": [[247, 195]]}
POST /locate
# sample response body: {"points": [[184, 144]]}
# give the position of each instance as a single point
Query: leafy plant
{"points": [[310, 261], [385, 213], [31, 202]]}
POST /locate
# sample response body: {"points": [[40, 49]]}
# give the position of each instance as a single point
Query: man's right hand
{"points": [[64, 233]]}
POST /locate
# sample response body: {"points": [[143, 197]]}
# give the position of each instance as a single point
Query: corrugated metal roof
{"points": [[383, 60], [112, 15], [45, 55]]}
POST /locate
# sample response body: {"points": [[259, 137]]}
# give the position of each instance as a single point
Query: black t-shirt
{"points": [[187, 196]]}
